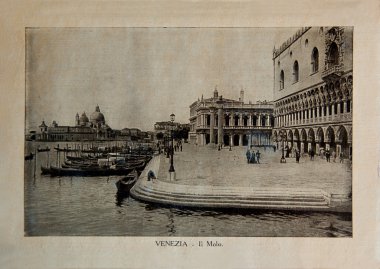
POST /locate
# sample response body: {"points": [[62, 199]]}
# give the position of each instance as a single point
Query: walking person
{"points": [[258, 156], [341, 157], [297, 156], [334, 156], [312, 153], [327, 155], [253, 159], [248, 155]]}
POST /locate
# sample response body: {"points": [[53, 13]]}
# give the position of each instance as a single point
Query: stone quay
{"points": [[208, 178]]}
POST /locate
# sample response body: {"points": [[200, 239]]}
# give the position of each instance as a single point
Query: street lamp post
{"points": [[171, 169], [283, 135], [167, 146]]}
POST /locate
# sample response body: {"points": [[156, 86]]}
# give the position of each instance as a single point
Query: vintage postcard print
{"points": [[190, 132]]}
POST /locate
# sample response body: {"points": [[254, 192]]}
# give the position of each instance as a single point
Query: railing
{"points": [[238, 127], [336, 70]]}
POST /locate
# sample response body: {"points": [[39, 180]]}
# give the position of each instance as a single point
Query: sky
{"points": [[139, 76]]}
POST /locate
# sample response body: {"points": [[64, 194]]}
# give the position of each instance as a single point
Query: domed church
{"points": [[97, 122], [97, 118]]}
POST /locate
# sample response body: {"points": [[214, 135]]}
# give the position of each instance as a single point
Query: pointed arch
{"points": [[295, 71], [314, 60], [311, 135]]}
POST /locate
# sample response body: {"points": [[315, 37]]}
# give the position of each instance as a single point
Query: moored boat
{"points": [[125, 184], [91, 171], [43, 149]]}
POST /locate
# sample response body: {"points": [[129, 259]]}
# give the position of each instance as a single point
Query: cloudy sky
{"points": [[139, 76]]}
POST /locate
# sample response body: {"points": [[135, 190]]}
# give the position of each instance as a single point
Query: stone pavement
{"points": [[207, 177], [207, 166]]}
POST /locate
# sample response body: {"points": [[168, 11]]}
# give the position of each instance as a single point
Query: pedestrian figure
{"points": [[311, 155], [297, 156], [181, 146], [258, 156], [287, 151], [253, 159], [328, 156], [248, 155], [341, 157], [334, 156], [151, 175]]}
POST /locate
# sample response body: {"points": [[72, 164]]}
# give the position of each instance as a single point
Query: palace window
{"points": [[348, 106], [236, 120], [227, 121], [245, 121], [333, 55], [263, 118], [282, 80], [295, 72], [314, 60], [254, 121]]}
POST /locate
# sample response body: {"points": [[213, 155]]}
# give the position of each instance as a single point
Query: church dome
{"points": [[83, 118], [97, 116]]}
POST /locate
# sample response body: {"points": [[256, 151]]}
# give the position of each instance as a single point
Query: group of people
{"points": [[252, 156], [294, 152], [328, 155], [167, 149]]}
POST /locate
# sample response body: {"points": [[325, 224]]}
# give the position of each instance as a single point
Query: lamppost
{"points": [[283, 136], [167, 145], [171, 169]]}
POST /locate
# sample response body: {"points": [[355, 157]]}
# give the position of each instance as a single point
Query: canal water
{"points": [[90, 206]]}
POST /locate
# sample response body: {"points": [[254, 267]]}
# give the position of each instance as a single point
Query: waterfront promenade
{"points": [[206, 177]]}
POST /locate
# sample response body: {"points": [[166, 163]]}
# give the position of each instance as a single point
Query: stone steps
{"points": [[252, 196], [229, 203], [260, 199]]}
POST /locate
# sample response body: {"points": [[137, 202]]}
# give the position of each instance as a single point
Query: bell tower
{"points": [[77, 123]]}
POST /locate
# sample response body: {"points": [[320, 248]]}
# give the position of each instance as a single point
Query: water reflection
{"points": [[120, 197], [90, 206]]}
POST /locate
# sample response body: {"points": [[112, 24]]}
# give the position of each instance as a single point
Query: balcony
{"points": [[332, 72]]}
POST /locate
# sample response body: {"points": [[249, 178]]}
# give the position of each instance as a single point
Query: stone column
{"points": [[316, 148], [338, 109], [250, 120], [317, 116], [231, 140], [345, 106], [212, 119], [323, 110], [220, 125], [259, 120], [240, 140], [333, 109], [268, 122]]}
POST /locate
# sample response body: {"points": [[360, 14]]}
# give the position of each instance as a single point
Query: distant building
{"points": [[165, 127], [94, 128], [230, 122], [313, 90]]}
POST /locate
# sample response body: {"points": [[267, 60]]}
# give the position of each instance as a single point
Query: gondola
{"points": [[91, 171], [66, 149], [43, 150], [125, 184]]}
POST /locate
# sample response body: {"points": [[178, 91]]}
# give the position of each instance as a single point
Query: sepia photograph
{"points": [[188, 131]]}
